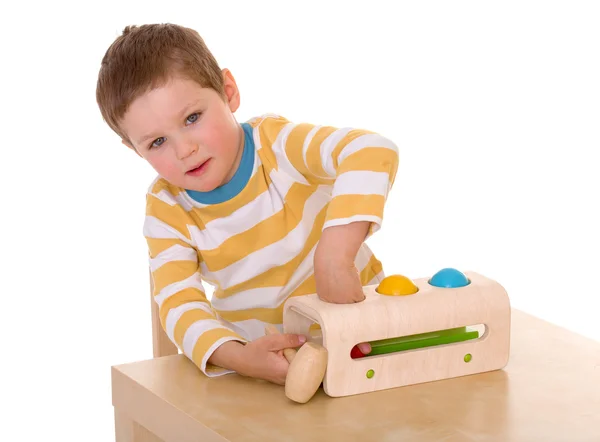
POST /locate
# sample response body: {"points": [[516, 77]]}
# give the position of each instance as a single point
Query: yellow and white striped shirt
{"points": [[256, 247]]}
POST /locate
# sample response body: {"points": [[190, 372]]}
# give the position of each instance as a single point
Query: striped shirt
{"points": [[256, 246]]}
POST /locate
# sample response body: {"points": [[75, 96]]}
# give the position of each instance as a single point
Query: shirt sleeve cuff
{"points": [[206, 346]]}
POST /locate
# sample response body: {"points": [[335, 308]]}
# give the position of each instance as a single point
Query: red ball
{"points": [[355, 353]]}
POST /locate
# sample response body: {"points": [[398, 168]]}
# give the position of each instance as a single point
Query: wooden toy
{"points": [[452, 324], [550, 391], [306, 371]]}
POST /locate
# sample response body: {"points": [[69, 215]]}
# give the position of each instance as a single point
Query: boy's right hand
{"points": [[263, 358]]}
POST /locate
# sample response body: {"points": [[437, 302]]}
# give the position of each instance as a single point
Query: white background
{"points": [[495, 108]]}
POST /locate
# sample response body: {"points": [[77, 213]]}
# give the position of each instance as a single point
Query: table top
{"points": [[550, 391]]}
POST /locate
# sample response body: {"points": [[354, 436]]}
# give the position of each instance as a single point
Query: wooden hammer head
{"points": [[306, 371]]}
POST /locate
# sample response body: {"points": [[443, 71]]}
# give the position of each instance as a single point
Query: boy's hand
{"points": [[263, 358], [336, 277], [337, 280]]}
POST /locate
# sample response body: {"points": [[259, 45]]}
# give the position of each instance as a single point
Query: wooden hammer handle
{"points": [[289, 353]]}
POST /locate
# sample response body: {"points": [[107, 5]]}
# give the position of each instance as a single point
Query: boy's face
{"points": [[187, 133]]}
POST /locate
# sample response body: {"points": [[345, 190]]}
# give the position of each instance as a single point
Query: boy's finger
{"points": [[286, 340]]}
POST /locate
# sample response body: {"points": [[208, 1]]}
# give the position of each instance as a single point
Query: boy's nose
{"points": [[185, 149]]}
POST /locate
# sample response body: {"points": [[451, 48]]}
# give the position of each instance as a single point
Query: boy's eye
{"points": [[157, 142], [193, 118]]}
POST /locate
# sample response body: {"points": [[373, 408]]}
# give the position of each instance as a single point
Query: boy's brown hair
{"points": [[145, 57]]}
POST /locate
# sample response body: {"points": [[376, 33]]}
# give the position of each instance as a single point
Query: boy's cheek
{"points": [[165, 168]]}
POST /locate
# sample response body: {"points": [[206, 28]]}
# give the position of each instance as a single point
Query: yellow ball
{"points": [[396, 285]]}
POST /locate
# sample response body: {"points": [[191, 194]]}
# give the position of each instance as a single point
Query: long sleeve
{"points": [[359, 165], [185, 312]]}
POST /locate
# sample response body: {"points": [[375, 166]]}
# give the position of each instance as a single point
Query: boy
{"points": [[262, 210]]}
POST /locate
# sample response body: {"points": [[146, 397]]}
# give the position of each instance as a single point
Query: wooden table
{"points": [[549, 391]]}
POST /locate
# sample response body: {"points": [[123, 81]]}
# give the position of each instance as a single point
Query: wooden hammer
{"points": [[306, 371]]}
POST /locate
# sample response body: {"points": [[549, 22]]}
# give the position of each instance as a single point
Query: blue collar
{"points": [[239, 180]]}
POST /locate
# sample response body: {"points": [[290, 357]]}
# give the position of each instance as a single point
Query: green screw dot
{"points": [[370, 374], [467, 357]]}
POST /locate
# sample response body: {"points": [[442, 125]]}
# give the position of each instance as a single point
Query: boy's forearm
{"points": [[342, 241], [229, 355]]}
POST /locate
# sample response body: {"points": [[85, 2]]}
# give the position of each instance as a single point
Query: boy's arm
{"points": [[359, 167], [185, 313]]}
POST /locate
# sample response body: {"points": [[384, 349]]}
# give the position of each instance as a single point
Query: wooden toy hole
{"points": [[421, 341], [299, 322]]}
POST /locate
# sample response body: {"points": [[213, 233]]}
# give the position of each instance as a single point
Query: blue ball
{"points": [[449, 278]]}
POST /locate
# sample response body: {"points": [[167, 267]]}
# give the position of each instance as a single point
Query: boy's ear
{"points": [[126, 143], [231, 90]]}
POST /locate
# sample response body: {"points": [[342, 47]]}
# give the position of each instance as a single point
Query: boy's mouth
{"points": [[195, 171]]}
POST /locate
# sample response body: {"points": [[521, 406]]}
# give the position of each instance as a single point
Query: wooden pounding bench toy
{"points": [[428, 329]]}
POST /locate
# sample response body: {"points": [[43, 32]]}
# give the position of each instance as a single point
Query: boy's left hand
{"points": [[337, 278]]}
